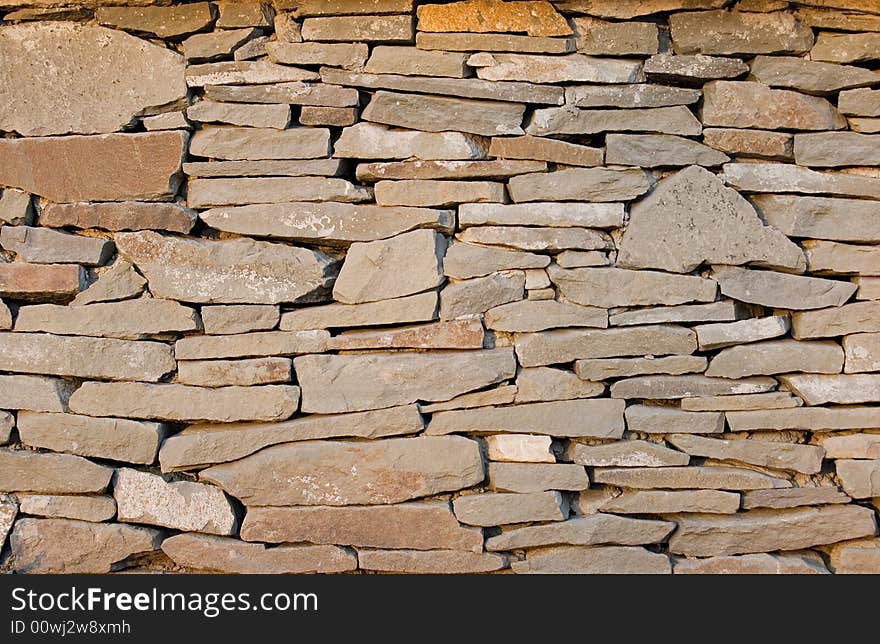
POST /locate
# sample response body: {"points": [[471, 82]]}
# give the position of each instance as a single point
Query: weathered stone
{"points": [[538, 239], [546, 384], [859, 102], [111, 438], [780, 290], [130, 319], [523, 448], [628, 453], [726, 33], [752, 564], [473, 88], [218, 44], [630, 96], [497, 508], [204, 552], [806, 459], [675, 386], [525, 316], [49, 67], [692, 69], [605, 368], [748, 104], [64, 546], [119, 282], [40, 282], [869, 288], [531, 147], [261, 143], [484, 42], [809, 76], [386, 471], [722, 311], [125, 215], [7, 423], [771, 400], [266, 343], [94, 168], [166, 121], [859, 317], [294, 93], [565, 345], [45, 246], [457, 334], [16, 208], [164, 22], [838, 389], [861, 446], [793, 497], [336, 383], [337, 116], [183, 505], [24, 471], [500, 169], [600, 418], [580, 184], [359, 29], [227, 373], [536, 477], [255, 116], [584, 531], [345, 55], [305, 8], [776, 356], [241, 318], [715, 336], [627, 9], [860, 479], [846, 48], [581, 259], [182, 403], [751, 143], [609, 560], [825, 257], [82, 508], [410, 61], [680, 225], [649, 419], [235, 13], [35, 393], [371, 141], [832, 149], [415, 308], [208, 271], [700, 477], [245, 72], [598, 37], [561, 69], [592, 215], [862, 352], [654, 150], [374, 270], [670, 501], [475, 296], [569, 120], [463, 261], [609, 287], [534, 18], [778, 177], [849, 19], [205, 444], [428, 193], [501, 395], [85, 357], [803, 419], [767, 530], [856, 557], [432, 562]]}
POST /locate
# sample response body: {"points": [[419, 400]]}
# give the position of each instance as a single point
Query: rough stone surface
{"points": [[862, 352], [414, 308], [593, 561], [700, 477], [693, 68], [566, 120], [433, 562], [463, 261], [649, 419], [793, 497], [498, 508], [776, 356], [726, 33], [839, 389], [537, 477], [780, 290], [527, 315], [610, 287], [806, 459], [629, 453], [82, 508], [534, 18], [809, 76], [25, 471], [475, 296], [751, 143], [584, 531], [687, 386], [673, 501], [115, 216], [716, 336], [371, 141], [845, 48], [767, 177], [656, 150], [833, 149], [753, 564], [598, 369], [265, 343]]}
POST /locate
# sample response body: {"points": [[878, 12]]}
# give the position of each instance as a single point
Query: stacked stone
{"points": [[338, 285]]}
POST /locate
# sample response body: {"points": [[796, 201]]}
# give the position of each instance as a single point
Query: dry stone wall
{"points": [[481, 286]]}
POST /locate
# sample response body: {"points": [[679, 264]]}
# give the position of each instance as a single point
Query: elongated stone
{"points": [[722, 311], [306, 8], [268, 168], [222, 271], [649, 419], [463, 261], [609, 560], [204, 193], [345, 55], [839, 389], [825, 257], [752, 564], [163, 22], [431, 562], [561, 69], [520, 448], [239, 318], [526, 315], [215, 45], [410, 61], [36, 393], [776, 356], [25, 471], [793, 497], [200, 552], [598, 37], [610, 287], [501, 395], [862, 351], [533, 238], [672, 387], [630, 96], [833, 149], [860, 446], [371, 141], [627, 453], [859, 102], [256, 116], [671, 501], [809, 76], [95, 168], [388, 471], [68, 506], [599, 369], [726, 33], [293, 93], [470, 297], [850, 318], [856, 557], [182, 403], [359, 28], [494, 42], [566, 120], [751, 143], [580, 184], [715, 336], [805, 419], [534, 18], [537, 477], [456, 334], [244, 72], [47, 66], [770, 400], [564, 418], [695, 69], [845, 48], [626, 9], [806, 459], [414, 308], [206, 444], [768, 530], [124, 215], [584, 531], [565, 345], [700, 477], [334, 383], [232, 373], [778, 177], [655, 150], [45, 246], [265, 343], [499, 508], [494, 169], [532, 147], [780, 290]]}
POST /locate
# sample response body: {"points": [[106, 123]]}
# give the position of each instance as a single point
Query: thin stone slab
{"points": [[215, 45], [454, 334], [534, 18], [627, 453], [258, 344], [239, 318], [267, 168], [770, 400], [817, 419], [695, 69], [806, 459], [650, 419], [845, 48], [25, 471], [809, 76], [501, 395], [115, 216], [561, 69], [493, 169], [751, 143], [257, 116], [429, 193], [499, 508], [494, 42], [260, 143], [599, 37], [537, 477], [752, 564], [430, 562], [861, 446], [599, 369], [780, 290], [859, 317], [626, 9], [727, 33], [361, 28], [793, 497], [856, 557], [776, 356], [567, 120], [371, 141], [722, 311], [580, 184], [657, 150], [231, 373], [411, 61], [778, 177], [35, 393], [414, 308], [537, 238], [611, 287], [67, 506], [242, 72], [671, 501], [345, 55], [859, 102], [609, 560], [476, 296], [584, 531], [163, 22], [590, 215], [699, 477], [46, 246], [293, 93], [835, 149], [119, 282], [832, 258], [630, 96], [686, 386], [530, 316], [716, 336], [463, 261], [845, 389], [533, 147]]}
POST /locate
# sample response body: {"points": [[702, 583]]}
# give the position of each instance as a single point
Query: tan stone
{"points": [[809, 76], [226, 373], [524, 448], [837, 389], [751, 143], [536, 477], [701, 477], [239, 318], [24, 471], [205, 552], [565, 418], [780, 290], [566, 345], [431, 562], [716, 336], [493, 169], [844, 320], [630, 96], [165, 121], [725, 33], [832, 258], [534, 18], [94, 168], [649, 419], [206, 444], [34, 392], [806, 459], [164, 22], [835, 149], [767, 530], [842, 19], [685, 386], [856, 557], [475, 296], [245, 72], [463, 261], [604, 368], [793, 497], [429, 193], [265, 343], [569, 68], [537, 239], [610, 287], [125, 215], [215, 45], [845, 48], [359, 29], [627, 9], [598, 37], [7, 423], [371, 141], [456, 334], [862, 446], [670, 501], [64, 546], [255, 116], [16, 208], [385, 471], [410, 61], [627, 453], [45, 246], [260, 143], [235, 13], [48, 66], [776, 356], [593, 561], [804, 419], [494, 42], [546, 384], [183, 403], [85, 357], [584, 531], [208, 271], [778, 177], [336, 116], [345, 55], [498, 508], [204, 193], [722, 311], [501, 395], [697, 68], [305, 8], [293, 93], [656, 150], [567, 120], [859, 102], [771, 400], [414, 308], [752, 564], [82, 508], [869, 288], [862, 351], [532, 147]]}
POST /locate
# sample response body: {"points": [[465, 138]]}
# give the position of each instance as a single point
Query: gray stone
{"points": [[671, 501], [46, 246], [752, 564], [726, 33], [700, 477], [778, 177], [528, 316], [7, 423], [610, 287], [598, 37], [415, 308], [580, 184], [776, 356], [803, 419], [780, 290], [239, 318], [430, 562], [499, 508], [463, 261], [581, 259], [25, 471], [649, 419], [862, 351], [820, 217], [833, 149], [537, 239], [627, 453], [806, 459], [570, 120], [453, 334], [561, 69], [715, 336], [693, 69], [16, 208], [584, 531], [537, 477], [604, 368], [809, 76], [630, 96], [371, 141], [655, 150], [164, 22], [520, 448], [501, 395], [793, 497], [675, 386], [611, 560], [832, 258], [475, 296]]}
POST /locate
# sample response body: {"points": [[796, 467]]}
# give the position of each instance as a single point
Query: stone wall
{"points": [[358, 285]]}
